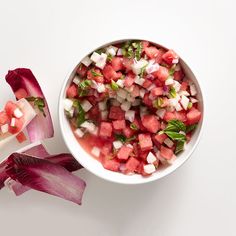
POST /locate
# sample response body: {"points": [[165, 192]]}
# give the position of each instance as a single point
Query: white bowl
{"points": [[95, 166]]}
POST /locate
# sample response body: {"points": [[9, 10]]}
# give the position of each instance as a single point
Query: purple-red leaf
{"points": [[37, 151], [45, 176], [24, 84]]}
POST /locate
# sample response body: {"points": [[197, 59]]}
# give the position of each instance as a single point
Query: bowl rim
{"points": [[144, 180]]}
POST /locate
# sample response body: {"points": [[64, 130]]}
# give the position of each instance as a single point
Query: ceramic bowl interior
{"points": [[94, 166]]}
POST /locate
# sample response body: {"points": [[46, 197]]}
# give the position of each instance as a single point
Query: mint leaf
{"points": [[38, 102], [80, 113], [133, 126], [138, 51], [123, 139], [175, 125], [190, 128], [176, 136], [172, 92], [158, 103], [109, 57], [179, 146]]}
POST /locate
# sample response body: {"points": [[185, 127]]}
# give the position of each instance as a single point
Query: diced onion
{"points": [[117, 144], [151, 158], [149, 169], [96, 151], [86, 61], [78, 132], [129, 115], [86, 105]]}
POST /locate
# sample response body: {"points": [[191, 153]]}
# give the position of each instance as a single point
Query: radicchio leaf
{"points": [[23, 80], [45, 176]]}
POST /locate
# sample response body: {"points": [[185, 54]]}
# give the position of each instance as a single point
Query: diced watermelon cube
{"points": [[21, 93], [10, 107], [124, 153], [184, 86], [169, 116], [127, 63], [167, 153], [162, 74], [4, 119], [145, 142], [146, 100], [178, 75], [136, 91], [193, 116], [129, 80], [160, 138], [105, 129], [21, 137], [82, 70], [116, 113], [118, 124], [112, 165], [106, 148], [132, 164], [18, 125], [145, 44], [109, 73], [117, 63], [181, 115], [147, 83], [151, 123], [157, 91], [170, 56], [71, 92], [151, 52], [128, 132], [159, 55]]}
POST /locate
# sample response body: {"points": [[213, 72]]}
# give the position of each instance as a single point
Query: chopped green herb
{"points": [[190, 128], [158, 103], [176, 136], [109, 57], [114, 85], [143, 70], [133, 126], [172, 70], [123, 139], [190, 105], [94, 73], [172, 92], [175, 126], [38, 102], [179, 146], [130, 52], [85, 84], [100, 51], [122, 77], [138, 51], [82, 92], [80, 113], [132, 49]]}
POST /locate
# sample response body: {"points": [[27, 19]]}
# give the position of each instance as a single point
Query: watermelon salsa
{"points": [[131, 106]]}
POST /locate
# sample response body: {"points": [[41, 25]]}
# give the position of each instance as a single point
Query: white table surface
{"points": [[200, 197]]}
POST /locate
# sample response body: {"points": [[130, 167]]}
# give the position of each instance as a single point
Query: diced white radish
{"points": [[104, 115], [117, 144], [176, 86], [184, 102], [89, 126], [173, 102], [67, 104], [86, 105], [95, 57], [161, 113], [193, 100], [13, 122], [142, 92], [151, 87], [102, 105], [115, 103], [175, 61], [168, 142], [86, 61], [101, 88], [171, 161], [139, 80], [193, 90], [96, 151], [178, 107], [138, 65], [120, 82], [185, 93], [169, 81], [76, 80], [149, 169], [4, 128], [136, 102], [152, 67], [125, 106], [130, 98], [119, 99], [78, 132], [18, 113], [129, 115], [111, 50], [122, 93], [151, 158], [119, 52], [101, 61]]}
